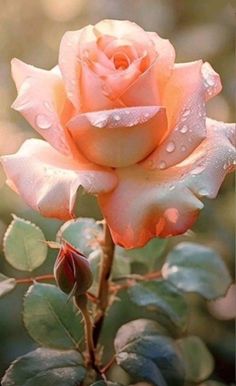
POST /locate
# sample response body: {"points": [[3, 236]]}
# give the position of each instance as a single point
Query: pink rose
{"points": [[125, 122]]}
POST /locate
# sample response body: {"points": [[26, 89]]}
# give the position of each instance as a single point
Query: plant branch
{"points": [[81, 303], [31, 280], [103, 289]]}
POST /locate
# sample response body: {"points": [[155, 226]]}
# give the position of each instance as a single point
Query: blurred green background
{"points": [[31, 31]]}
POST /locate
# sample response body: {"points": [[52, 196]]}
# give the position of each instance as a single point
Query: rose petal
{"points": [[95, 92], [41, 100], [186, 112], [144, 91], [48, 181], [149, 203], [211, 81], [116, 82], [118, 137], [123, 29], [70, 66], [166, 59]]}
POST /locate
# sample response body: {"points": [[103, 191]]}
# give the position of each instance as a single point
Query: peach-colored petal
{"points": [[70, 66], [186, 111], [148, 203], [119, 137], [95, 93], [117, 82], [48, 181], [144, 91], [166, 59], [211, 81], [123, 29], [41, 100]]}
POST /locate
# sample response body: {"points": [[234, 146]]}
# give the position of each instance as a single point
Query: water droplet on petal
{"points": [[183, 148], [162, 165], [48, 106], [43, 122], [171, 187], [197, 170], [117, 117], [225, 166], [170, 147], [234, 162], [186, 113], [184, 129], [203, 192]]}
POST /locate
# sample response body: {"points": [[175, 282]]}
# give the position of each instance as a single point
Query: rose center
{"points": [[121, 61]]}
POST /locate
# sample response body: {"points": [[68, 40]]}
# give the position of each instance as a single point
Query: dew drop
{"points": [[100, 122], [162, 165], [183, 148], [203, 192], [117, 117], [170, 147], [43, 122], [234, 162], [171, 187], [197, 170], [184, 129], [186, 113], [48, 106], [225, 166]]}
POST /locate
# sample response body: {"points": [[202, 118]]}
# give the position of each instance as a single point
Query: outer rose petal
{"points": [[166, 59], [41, 100], [69, 65], [48, 181], [118, 137], [185, 104], [211, 81], [149, 203]]}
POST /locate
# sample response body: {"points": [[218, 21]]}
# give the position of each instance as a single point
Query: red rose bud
{"points": [[72, 270]]}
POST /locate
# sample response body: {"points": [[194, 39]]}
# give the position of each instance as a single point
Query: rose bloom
{"points": [[121, 119]]}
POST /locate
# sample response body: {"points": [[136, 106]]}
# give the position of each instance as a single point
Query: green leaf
{"points": [[25, 246], [148, 255], [46, 367], [195, 268], [163, 297], [82, 233], [199, 363], [50, 318], [7, 284], [147, 355], [121, 267]]}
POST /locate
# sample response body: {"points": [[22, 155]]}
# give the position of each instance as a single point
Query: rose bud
{"points": [[72, 270]]}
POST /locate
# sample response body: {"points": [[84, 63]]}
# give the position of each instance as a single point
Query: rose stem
{"points": [[103, 289], [81, 303]]}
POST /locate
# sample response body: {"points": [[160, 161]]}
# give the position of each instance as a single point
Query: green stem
{"points": [[81, 303], [103, 289]]}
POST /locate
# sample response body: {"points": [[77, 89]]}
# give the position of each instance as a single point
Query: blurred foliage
{"points": [[31, 31]]}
